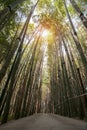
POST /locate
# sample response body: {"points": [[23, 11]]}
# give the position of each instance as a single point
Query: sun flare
{"points": [[46, 33]]}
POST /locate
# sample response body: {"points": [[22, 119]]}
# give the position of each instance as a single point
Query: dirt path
{"points": [[45, 122]]}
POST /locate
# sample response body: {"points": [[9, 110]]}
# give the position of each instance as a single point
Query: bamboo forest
{"points": [[43, 59]]}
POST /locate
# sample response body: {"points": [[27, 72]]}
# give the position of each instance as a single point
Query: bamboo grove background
{"points": [[22, 54]]}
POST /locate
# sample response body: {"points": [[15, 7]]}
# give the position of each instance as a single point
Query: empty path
{"points": [[45, 122]]}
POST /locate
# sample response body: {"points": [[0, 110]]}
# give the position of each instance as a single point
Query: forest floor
{"points": [[45, 122]]}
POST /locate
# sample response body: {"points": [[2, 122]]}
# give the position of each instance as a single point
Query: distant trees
{"points": [[65, 82]]}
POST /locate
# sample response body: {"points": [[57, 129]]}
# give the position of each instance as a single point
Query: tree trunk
{"points": [[80, 13]]}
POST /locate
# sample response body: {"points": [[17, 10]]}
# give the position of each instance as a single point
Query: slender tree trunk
{"points": [[80, 13], [83, 98], [65, 79]]}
